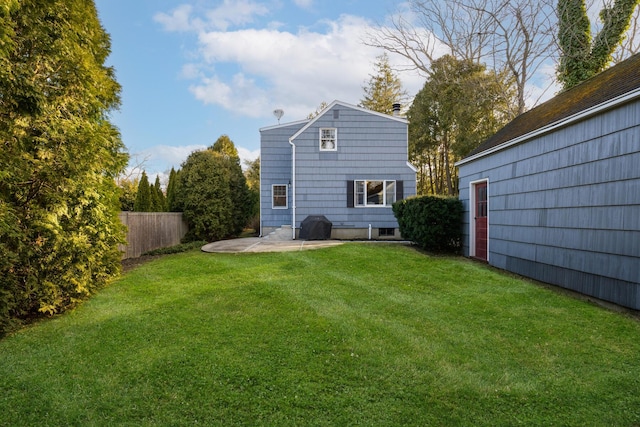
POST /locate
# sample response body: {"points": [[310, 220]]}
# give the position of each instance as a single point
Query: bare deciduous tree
{"points": [[516, 36]]}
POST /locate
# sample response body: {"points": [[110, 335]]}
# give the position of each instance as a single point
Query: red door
{"points": [[480, 216]]}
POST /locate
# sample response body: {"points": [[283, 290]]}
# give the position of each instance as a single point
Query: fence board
{"points": [[151, 230]]}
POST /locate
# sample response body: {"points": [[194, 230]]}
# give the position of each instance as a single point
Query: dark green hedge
{"points": [[434, 223]]}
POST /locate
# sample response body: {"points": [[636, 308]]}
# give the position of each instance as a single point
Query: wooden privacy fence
{"points": [[151, 230]]}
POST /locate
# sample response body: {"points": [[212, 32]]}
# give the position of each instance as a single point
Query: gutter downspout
{"points": [[260, 199], [293, 189]]}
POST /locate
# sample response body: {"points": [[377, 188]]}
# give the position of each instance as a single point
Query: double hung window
{"points": [[328, 139], [279, 198]]}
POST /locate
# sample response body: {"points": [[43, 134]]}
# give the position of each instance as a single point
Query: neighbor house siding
{"points": [[564, 208], [368, 147]]}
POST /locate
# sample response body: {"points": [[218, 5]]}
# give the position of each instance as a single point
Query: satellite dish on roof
{"points": [[278, 113]]}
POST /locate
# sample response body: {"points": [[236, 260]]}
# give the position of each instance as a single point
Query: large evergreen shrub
{"points": [[59, 226], [432, 222], [212, 192]]}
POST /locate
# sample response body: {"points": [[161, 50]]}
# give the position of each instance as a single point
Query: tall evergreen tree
{"points": [[158, 199], [143, 201], [581, 56], [205, 196], [155, 200], [59, 226], [162, 200], [172, 205], [383, 89], [240, 197]]}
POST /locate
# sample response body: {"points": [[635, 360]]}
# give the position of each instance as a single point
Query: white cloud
{"points": [[235, 12], [174, 153], [171, 155], [190, 71], [230, 12], [178, 20], [158, 160], [304, 4], [247, 155], [294, 71]]}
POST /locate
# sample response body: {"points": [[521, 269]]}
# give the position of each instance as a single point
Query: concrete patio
{"points": [[260, 244]]}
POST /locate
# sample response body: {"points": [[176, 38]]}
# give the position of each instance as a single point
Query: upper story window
{"points": [[328, 139]]}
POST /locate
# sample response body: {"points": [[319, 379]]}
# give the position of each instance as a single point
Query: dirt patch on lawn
{"points": [[131, 263]]}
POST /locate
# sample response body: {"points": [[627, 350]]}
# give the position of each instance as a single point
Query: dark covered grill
{"points": [[315, 227]]}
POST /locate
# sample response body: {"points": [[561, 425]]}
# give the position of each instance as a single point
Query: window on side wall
{"points": [[328, 139], [374, 193], [279, 199]]}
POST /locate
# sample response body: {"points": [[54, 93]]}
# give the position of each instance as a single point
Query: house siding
{"points": [[564, 208], [275, 168], [369, 146]]}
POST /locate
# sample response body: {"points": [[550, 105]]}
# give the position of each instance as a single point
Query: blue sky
{"points": [[193, 70]]}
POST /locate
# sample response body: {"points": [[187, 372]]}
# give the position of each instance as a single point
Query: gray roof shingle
{"points": [[607, 85]]}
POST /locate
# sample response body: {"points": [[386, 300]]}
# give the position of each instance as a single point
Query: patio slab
{"points": [[259, 244]]}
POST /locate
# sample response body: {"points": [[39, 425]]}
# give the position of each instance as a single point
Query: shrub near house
{"points": [[433, 223]]}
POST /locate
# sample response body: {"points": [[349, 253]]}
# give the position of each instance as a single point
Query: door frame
{"points": [[472, 222]]}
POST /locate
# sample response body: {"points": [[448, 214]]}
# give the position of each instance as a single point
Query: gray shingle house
{"points": [[347, 163], [555, 194]]}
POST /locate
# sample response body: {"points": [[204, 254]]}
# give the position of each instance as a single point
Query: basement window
{"points": [[386, 232]]}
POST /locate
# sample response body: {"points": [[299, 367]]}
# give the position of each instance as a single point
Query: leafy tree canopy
{"points": [[442, 129], [129, 191], [224, 145], [252, 173]]}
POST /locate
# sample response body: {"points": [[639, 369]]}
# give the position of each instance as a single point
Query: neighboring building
{"points": [[347, 163], [555, 194]]}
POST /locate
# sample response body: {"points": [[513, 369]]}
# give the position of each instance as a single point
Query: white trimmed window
{"points": [[279, 196], [328, 139], [374, 193]]}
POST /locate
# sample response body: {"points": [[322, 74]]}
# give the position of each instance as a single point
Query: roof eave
{"points": [[283, 125], [344, 104], [607, 105]]}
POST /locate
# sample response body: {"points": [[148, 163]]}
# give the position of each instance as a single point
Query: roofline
{"points": [[607, 105], [344, 104], [283, 125]]}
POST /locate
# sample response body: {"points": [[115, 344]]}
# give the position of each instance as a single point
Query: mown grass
{"points": [[357, 334]]}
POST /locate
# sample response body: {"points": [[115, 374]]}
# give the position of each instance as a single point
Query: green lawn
{"points": [[359, 334]]}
